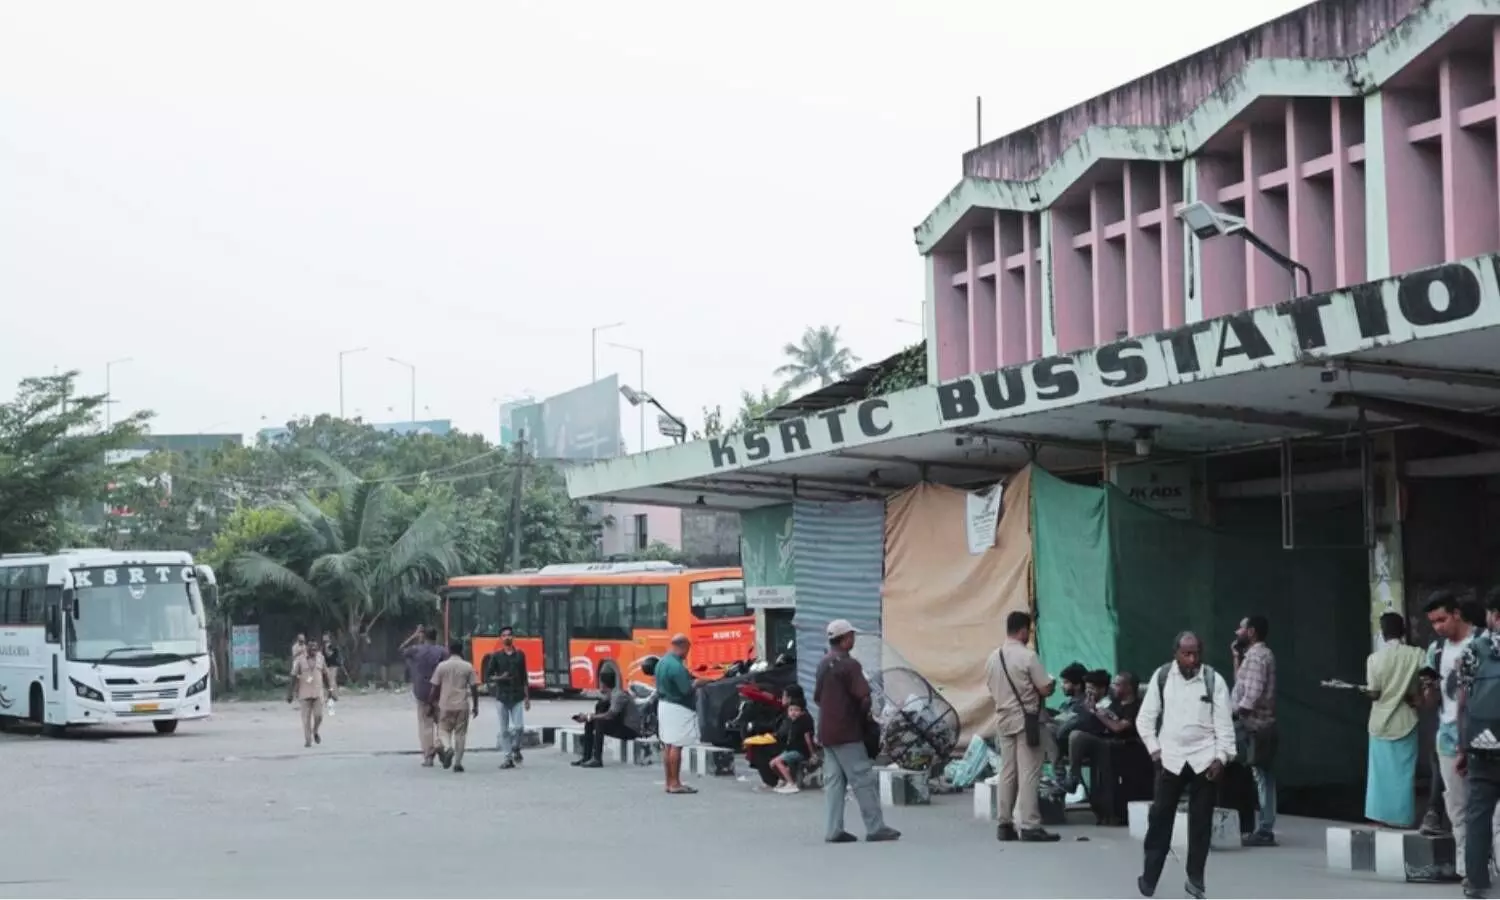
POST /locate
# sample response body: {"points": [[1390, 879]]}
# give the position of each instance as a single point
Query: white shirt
{"points": [[1453, 653], [1194, 732]]}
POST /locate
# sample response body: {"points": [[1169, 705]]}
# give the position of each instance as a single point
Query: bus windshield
{"points": [[135, 623]]}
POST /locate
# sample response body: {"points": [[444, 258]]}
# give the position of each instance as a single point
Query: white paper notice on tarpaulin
{"points": [[982, 516]]}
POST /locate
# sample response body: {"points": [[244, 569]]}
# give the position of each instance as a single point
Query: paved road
{"points": [[234, 807]]}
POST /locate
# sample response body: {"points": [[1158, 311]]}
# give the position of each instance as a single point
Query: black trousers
{"points": [[595, 731], [1483, 783], [1084, 747], [1170, 787]]}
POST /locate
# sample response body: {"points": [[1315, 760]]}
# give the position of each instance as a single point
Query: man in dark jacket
{"points": [[843, 698], [615, 715]]}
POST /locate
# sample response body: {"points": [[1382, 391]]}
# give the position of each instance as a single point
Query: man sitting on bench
{"points": [[1109, 723], [615, 715]]}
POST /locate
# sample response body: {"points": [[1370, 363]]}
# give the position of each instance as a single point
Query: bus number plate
{"points": [[145, 707]]}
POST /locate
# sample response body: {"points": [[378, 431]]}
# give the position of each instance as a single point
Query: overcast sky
{"points": [[230, 193]]}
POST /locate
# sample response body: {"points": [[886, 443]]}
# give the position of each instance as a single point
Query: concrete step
{"points": [[1225, 833], [1392, 855], [642, 752], [903, 787]]}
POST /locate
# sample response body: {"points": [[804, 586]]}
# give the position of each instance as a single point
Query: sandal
{"points": [[682, 789]]}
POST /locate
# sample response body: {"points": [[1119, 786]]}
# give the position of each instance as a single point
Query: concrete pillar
{"points": [[1387, 572]]}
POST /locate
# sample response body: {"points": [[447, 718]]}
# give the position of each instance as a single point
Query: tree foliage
{"points": [[819, 356], [752, 410], [52, 460], [358, 561]]}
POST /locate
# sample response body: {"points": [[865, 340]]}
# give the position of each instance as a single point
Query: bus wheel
{"points": [[38, 711], [167, 727]]}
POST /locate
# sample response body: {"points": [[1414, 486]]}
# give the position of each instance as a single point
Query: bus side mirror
{"points": [[70, 602]]}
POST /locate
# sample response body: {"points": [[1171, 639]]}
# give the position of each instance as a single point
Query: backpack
{"points": [[1482, 703], [1209, 677]]}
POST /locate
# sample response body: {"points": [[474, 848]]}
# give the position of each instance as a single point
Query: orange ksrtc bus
{"points": [[574, 620]]}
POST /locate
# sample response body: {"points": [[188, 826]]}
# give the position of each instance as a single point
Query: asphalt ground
{"points": [[234, 806]]}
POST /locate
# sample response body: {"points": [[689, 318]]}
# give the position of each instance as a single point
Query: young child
{"points": [[796, 735]]}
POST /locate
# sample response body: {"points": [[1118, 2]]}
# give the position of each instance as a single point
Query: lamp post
{"points": [[342, 354], [413, 370], [640, 410], [1207, 222], [678, 430], [594, 347], [109, 396]]}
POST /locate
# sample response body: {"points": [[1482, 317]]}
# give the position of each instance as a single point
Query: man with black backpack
{"points": [[1478, 754], [1187, 728]]}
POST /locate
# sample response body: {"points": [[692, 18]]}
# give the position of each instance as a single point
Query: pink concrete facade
{"points": [[623, 535], [1107, 258]]}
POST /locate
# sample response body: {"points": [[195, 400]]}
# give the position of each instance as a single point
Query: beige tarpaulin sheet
{"points": [[943, 609]]}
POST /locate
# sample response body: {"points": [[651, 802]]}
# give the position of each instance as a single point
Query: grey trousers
{"points": [[849, 764]]}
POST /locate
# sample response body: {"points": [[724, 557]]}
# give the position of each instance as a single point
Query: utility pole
{"points": [[515, 504]]}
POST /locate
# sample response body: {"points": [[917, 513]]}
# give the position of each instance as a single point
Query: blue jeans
{"points": [[1265, 792], [512, 723]]}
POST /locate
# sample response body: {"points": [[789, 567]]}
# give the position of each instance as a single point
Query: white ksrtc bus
{"points": [[92, 637]]}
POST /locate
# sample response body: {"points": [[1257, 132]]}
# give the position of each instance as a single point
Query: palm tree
{"points": [[817, 357], [358, 567]]}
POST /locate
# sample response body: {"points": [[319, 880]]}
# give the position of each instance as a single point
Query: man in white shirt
{"points": [[1186, 724]]}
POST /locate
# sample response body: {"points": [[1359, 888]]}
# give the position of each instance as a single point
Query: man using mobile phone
{"points": [[511, 682]]}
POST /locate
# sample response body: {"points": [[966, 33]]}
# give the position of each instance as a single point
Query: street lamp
{"points": [[342, 354], [641, 409], [594, 346], [109, 397], [1207, 222], [413, 370], [671, 426]]}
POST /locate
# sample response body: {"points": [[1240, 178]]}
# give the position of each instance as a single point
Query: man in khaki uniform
{"points": [[1019, 685], [309, 681], [457, 699]]}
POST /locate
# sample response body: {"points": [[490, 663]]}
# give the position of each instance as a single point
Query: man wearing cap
{"points": [[843, 698], [676, 711]]}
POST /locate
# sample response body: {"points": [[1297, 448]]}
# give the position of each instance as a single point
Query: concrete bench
{"points": [[705, 760], [642, 752], [1224, 833], [1392, 855], [987, 803], [903, 787]]}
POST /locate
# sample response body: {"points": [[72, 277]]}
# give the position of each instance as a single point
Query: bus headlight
{"points": [[85, 691], [199, 686]]}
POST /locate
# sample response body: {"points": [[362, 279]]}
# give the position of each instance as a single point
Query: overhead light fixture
{"points": [[1206, 223], [635, 397], [1145, 439]]}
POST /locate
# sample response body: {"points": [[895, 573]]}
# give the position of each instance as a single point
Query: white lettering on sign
{"points": [[136, 577], [1446, 299], [724, 636], [781, 596]]}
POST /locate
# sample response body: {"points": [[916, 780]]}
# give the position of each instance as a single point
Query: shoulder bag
{"points": [[1032, 720]]}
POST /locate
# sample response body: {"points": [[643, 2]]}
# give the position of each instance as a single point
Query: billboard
{"points": [[581, 424], [509, 433]]}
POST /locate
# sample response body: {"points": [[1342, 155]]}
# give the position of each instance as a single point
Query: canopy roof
{"points": [[1421, 348]]}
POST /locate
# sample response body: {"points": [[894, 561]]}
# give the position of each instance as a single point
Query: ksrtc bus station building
{"points": [[1220, 342]]}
